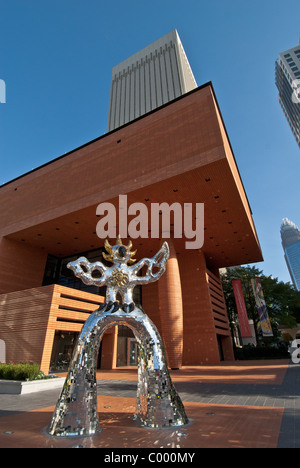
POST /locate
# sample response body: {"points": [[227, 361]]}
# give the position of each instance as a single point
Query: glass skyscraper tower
{"points": [[287, 78], [290, 236]]}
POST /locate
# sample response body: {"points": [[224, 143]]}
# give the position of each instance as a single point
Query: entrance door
{"points": [[219, 337], [132, 357]]}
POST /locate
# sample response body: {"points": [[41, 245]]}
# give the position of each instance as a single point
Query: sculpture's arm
{"points": [[137, 267], [83, 269], [158, 261]]}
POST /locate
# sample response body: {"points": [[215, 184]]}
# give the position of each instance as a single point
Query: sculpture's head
{"points": [[119, 253]]}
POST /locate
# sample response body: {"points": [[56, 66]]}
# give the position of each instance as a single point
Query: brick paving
{"points": [[254, 404]]}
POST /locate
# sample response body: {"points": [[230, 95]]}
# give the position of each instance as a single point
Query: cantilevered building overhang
{"points": [[179, 152]]}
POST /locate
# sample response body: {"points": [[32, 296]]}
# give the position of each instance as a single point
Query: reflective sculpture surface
{"points": [[158, 404]]}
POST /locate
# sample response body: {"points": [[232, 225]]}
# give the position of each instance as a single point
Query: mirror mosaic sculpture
{"points": [[158, 404]]}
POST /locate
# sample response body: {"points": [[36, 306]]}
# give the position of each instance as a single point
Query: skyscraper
{"points": [[150, 78], [290, 236], [287, 78]]}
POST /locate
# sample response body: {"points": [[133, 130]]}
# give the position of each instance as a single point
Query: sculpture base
{"points": [[46, 432], [158, 404]]}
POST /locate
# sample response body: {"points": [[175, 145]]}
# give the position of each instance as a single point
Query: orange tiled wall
{"points": [[22, 266], [24, 319], [29, 319]]}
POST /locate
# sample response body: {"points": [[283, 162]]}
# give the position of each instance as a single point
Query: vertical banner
{"points": [[241, 308], [261, 307]]}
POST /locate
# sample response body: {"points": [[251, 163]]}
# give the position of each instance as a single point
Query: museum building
{"points": [[178, 152]]}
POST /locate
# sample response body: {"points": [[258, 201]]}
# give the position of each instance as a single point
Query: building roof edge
{"points": [[209, 83]]}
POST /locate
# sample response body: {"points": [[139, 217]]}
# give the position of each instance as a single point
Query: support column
{"points": [[171, 312], [109, 349], [200, 340], [47, 351]]}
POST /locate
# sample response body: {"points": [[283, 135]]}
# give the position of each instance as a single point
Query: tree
{"points": [[282, 300]]}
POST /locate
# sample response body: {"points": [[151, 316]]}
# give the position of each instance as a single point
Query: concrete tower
{"points": [[150, 78]]}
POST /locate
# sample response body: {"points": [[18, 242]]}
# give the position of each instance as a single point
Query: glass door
{"points": [[132, 357]]}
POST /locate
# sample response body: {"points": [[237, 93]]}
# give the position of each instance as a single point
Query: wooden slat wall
{"points": [[69, 310], [29, 319], [23, 323], [218, 304]]}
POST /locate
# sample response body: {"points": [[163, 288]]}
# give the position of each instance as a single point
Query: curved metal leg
{"points": [[76, 410], [158, 404]]}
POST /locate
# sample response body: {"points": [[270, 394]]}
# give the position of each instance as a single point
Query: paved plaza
{"points": [[240, 404]]}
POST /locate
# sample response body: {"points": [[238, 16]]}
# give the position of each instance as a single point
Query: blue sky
{"points": [[56, 59]]}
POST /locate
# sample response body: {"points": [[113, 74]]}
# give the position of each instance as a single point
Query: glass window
{"points": [[66, 277], [50, 275], [62, 350]]}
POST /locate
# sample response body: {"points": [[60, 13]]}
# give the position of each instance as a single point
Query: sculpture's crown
{"points": [[122, 251]]}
